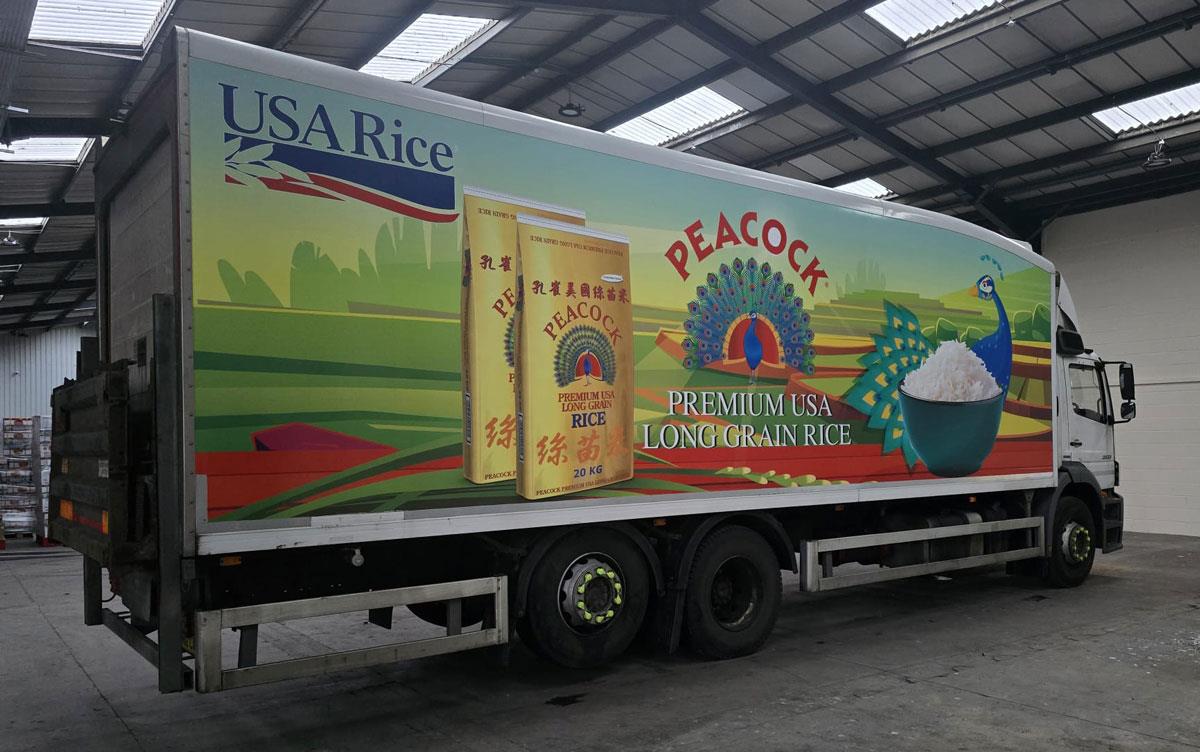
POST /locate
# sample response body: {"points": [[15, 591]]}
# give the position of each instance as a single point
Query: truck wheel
{"points": [[587, 598], [733, 594], [1072, 544]]}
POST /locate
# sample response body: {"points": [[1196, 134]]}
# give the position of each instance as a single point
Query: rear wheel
{"points": [[587, 599], [733, 594], [1072, 544]]}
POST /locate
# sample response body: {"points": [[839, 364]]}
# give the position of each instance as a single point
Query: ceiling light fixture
{"points": [[8, 241], [1158, 158], [571, 109]]}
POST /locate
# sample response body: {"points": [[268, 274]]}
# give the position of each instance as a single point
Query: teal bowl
{"points": [[952, 438]]}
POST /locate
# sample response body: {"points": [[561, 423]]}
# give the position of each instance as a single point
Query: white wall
{"points": [[1133, 272], [30, 368]]}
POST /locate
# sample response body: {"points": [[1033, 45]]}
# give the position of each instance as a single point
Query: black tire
{"points": [[547, 627], [733, 594], [1072, 544]]}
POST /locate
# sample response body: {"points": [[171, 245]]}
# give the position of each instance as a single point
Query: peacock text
{"points": [[582, 310], [772, 234]]}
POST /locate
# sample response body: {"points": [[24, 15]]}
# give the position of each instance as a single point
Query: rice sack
{"points": [[574, 359], [489, 298], [952, 374]]}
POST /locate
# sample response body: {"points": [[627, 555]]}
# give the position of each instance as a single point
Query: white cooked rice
{"points": [[952, 374]]}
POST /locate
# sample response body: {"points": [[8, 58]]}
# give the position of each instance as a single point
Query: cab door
{"points": [[1089, 419]]}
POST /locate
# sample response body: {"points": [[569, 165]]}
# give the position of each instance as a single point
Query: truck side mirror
{"points": [[1128, 410], [1126, 379], [1070, 342]]}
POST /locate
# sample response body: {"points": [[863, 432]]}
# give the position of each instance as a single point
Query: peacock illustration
{"points": [[901, 348], [584, 353], [746, 311], [995, 350]]}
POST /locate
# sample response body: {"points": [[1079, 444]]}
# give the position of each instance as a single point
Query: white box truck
{"points": [[699, 375]]}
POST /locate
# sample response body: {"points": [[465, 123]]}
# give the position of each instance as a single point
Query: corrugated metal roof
{"points": [[44, 150], [1151, 110], [423, 44], [103, 21], [909, 19], [697, 109]]}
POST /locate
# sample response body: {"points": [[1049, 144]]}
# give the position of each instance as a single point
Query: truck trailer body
{"points": [[320, 290]]}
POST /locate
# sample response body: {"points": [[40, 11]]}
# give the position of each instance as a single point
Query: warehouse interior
{"points": [[1070, 125]]}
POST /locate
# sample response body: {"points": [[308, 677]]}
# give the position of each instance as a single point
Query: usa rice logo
{"points": [[274, 142]]}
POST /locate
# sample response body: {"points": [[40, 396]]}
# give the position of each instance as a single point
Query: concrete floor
{"points": [[977, 662]]}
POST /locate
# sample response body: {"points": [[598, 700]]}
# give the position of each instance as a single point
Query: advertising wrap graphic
{"points": [[396, 310]]}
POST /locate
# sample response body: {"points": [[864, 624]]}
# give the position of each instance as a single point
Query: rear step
{"points": [[816, 556]]}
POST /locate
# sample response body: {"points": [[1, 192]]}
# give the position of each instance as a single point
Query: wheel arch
{"points": [[694, 531], [549, 537], [762, 523], [1074, 479]]}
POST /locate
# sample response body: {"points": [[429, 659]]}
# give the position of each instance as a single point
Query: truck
{"points": [[272, 420]]}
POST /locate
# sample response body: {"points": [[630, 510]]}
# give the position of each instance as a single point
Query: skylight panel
{"points": [[1151, 110], [22, 223], [102, 21], [691, 112], [909, 19], [866, 187], [44, 150], [425, 42]]}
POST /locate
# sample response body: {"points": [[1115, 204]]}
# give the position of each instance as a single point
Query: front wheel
{"points": [[587, 598], [733, 594], [1073, 547]]}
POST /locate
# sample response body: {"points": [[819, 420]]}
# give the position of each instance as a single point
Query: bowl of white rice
{"points": [[951, 407]]}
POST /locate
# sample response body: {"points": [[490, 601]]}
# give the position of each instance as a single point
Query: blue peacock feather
{"points": [[995, 350], [747, 290], [900, 348], [580, 351]]}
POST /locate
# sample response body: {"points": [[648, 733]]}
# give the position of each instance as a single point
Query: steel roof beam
{"points": [[1128, 186], [782, 76], [1142, 139], [781, 41], [14, 310], [1053, 117], [654, 8], [592, 64], [48, 323], [58, 209], [55, 286], [296, 23], [21, 126], [74, 304], [521, 70], [962, 31], [20, 18], [470, 47], [1019, 75], [46, 257], [385, 37]]}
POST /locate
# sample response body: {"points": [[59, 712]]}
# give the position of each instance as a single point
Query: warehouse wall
{"points": [[30, 367], [1132, 271]]}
